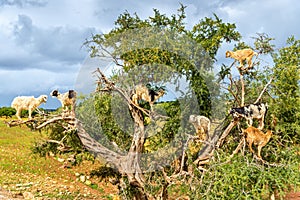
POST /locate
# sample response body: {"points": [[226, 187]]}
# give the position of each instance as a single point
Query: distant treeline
{"points": [[9, 112]]}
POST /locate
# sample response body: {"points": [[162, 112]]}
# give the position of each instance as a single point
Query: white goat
{"points": [[27, 103], [67, 100], [202, 125]]}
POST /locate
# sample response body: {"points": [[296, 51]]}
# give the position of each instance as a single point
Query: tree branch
{"points": [[70, 121], [243, 89], [96, 148], [262, 92], [111, 86], [226, 132]]}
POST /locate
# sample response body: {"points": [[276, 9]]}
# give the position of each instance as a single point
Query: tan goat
{"points": [[142, 92], [256, 136], [241, 55]]}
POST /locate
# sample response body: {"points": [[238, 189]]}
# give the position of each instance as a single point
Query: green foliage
{"points": [[211, 33], [190, 54], [114, 120], [244, 178], [262, 43], [105, 172], [286, 103], [165, 41], [169, 132], [70, 140], [7, 112]]}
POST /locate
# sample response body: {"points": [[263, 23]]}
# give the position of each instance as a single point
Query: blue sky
{"points": [[41, 40]]}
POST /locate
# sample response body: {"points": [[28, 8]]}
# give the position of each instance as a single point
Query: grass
{"points": [[45, 177]]}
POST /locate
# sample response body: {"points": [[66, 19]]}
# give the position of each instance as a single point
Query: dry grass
{"points": [[45, 178]]}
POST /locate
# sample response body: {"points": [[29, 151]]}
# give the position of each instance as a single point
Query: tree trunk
{"points": [[135, 174], [128, 165]]}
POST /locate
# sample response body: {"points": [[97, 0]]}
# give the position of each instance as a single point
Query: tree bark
{"points": [[128, 165]]}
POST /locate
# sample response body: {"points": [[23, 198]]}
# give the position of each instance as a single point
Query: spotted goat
{"points": [[252, 111], [67, 100]]}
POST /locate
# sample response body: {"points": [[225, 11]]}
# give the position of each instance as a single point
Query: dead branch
{"points": [[185, 147], [230, 90], [262, 92], [62, 147], [238, 148], [18, 122], [232, 124], [70, 120], [243, 89]]}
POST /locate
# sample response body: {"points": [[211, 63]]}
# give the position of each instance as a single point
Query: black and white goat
{"points": [[142, 92], [250, 112], [67, 99], [27, 103]]}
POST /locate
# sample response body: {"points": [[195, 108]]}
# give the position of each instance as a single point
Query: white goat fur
{"points": [[241, 55], [67, 99], [27, 103], [202, 125]]}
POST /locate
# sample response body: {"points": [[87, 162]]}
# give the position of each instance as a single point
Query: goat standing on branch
{"points": [[251, 111], [241, 55], [142, 92], [256, 136], [27, 103], [202, 125], [67, 99]]}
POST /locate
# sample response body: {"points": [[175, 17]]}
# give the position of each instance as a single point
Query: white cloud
{"points": [[23, 3]]}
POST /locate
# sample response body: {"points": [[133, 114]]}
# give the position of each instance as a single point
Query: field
{"points": [[27, 175], [24, 174]]}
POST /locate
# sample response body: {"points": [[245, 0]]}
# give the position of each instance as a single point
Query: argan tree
{"points": [[159, 50]]}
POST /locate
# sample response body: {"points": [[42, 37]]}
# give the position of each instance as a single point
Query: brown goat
{"points": [[142, 92], [256, 136], [241, 55]]}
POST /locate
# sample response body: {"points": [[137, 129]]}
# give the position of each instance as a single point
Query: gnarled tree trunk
{"points": [[128, 165]]}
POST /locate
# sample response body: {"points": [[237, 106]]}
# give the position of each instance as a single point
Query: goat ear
{"points": [[72, 94], [227, 54], [54, 93]]}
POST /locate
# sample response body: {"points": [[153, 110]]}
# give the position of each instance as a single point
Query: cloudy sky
{"points": [[41, 40]]}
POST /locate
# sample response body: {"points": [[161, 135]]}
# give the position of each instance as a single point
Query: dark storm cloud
{"points": [[43, 47]]}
